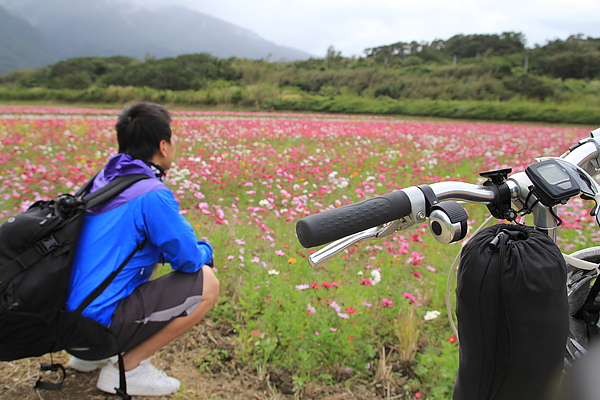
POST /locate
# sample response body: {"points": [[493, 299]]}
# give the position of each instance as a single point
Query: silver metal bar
{"points": [[453, 190], [339, 245]]}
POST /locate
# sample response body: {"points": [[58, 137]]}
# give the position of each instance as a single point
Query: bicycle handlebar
{"points": [[334, 224], [331, 225]]}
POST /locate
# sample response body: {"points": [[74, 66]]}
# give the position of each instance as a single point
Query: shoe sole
{"points": [[133, 390], [138, 391]]}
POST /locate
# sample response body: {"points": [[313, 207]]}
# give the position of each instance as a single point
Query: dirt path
{"points": [[225, 379]]}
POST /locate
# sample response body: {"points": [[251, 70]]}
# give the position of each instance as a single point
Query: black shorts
{"points": [[150, 308]]}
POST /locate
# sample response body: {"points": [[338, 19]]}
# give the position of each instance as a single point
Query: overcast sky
{"points": [[353, 25]]}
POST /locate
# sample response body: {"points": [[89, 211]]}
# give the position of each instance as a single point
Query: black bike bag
{"points": [[512, 315]]}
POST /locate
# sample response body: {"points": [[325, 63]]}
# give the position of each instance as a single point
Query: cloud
{"points": [[353, 25]]}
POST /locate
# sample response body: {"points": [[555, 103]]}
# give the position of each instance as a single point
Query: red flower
{"points": [[366, 282], [416, 238]]}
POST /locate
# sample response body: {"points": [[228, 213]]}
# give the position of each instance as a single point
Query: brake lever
{"points": [[340, 244], [371, 233]]}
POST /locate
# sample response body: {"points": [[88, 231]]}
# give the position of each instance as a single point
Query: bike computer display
{"points": [[554, 181]]}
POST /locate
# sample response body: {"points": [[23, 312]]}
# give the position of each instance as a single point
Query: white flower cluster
{"points": [[375, 276], [339, 182]]}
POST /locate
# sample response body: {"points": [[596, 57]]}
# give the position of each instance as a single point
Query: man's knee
{"points": [[212, 286]]}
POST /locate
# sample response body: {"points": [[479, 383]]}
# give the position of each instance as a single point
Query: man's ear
{"points": [[162, 148]]}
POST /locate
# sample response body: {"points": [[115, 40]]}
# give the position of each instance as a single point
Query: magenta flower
{"points": [[387, 302], [366, 282], [410, 297]]}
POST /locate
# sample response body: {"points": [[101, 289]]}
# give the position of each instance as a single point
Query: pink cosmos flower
{"points": [[387, 302], [335, 306], [410, 297]]}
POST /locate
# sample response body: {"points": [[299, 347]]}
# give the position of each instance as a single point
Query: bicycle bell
{"points": [[448, 222]]}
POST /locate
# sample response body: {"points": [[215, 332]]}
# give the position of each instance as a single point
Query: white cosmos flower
{"points": [[264, 203], [429, 315], [375, 276]]}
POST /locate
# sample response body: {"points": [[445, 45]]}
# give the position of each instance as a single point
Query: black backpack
{"points": [[37, 248], [513, 317]]}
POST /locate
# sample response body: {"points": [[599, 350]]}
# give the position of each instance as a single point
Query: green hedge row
{"points": [[504, 111], [267, 98]]}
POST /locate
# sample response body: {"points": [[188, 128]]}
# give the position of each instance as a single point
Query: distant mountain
{"points": [[21, 45], [52, 30]]}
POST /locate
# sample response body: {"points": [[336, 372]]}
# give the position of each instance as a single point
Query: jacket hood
{"points": [[119, 165]]}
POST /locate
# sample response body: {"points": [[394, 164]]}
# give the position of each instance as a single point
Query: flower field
{"points": [[373, 314]]}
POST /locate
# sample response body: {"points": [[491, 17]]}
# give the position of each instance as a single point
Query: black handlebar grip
{"points": [[334, 224]]}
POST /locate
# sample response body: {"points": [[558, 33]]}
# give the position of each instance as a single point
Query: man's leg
{"points": [[156, 313], [178, 326]]}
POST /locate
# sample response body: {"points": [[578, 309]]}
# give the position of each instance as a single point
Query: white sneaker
{"points": [[88, 366], [143, 380]]}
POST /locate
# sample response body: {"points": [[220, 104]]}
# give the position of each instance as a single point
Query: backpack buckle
{"points": [[45, 246]]}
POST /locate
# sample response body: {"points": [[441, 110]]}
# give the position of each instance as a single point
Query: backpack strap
{"points": [[87, 187], [52, 367], [109, 191], [122, 389], [100, 197], [98, 291]]}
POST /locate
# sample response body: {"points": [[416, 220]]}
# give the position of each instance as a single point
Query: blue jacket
{"points": [[110, 232]]}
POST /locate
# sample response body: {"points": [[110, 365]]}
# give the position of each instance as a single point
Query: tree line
{"points": [[493, 67], [577, 57]]}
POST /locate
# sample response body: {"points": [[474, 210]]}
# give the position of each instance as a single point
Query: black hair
{"points": [[140, 129]]}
